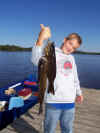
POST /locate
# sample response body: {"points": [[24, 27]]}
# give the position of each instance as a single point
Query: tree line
{"points": [[13, 48], [18, 48]]}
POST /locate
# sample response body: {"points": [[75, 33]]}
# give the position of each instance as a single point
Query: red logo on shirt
{"points": [[67, 65]]}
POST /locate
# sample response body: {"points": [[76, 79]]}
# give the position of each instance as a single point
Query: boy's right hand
{"points": [[44, 34]]}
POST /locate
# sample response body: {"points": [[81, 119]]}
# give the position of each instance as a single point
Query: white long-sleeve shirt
{"points": [[66, 83]]}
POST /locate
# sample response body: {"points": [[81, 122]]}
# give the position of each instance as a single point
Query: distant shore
{"points": [[88, 53], [14, 48]]}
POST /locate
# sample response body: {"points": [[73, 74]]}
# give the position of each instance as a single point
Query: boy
{"points": [[61, 106]]}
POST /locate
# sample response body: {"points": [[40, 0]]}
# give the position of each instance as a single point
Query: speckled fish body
{"points": [[46, 70]]}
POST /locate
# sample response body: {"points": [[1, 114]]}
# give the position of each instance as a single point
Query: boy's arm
{"points": [[37, 49], [36, 54], [76, 81], [79, 96]]}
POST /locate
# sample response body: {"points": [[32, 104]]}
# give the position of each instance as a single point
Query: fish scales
{"points": [[51, 74], [46, 70]]}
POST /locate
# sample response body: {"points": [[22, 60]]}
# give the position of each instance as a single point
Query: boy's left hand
{"points": [[79, 99]]}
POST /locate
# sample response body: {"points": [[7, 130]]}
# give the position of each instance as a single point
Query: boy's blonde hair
{"points": [[73, 36]]}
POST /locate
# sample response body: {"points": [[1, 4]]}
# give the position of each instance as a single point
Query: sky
{"points": [[20, 21]]}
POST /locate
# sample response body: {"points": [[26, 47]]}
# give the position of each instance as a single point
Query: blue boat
{"points": [[8, 116]]}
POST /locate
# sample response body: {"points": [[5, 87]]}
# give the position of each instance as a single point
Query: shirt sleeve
{"points": [[76, 81], [37, 52]]}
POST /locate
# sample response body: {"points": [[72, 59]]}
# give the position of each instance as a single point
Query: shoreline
{"points": [[87, 117], [15, 48]]}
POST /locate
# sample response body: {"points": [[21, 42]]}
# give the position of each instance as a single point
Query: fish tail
{"points": [[40, 100], [40, 109], [51, 88]]}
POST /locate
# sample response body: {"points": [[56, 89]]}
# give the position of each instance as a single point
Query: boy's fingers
{"points": [[42, 26]]}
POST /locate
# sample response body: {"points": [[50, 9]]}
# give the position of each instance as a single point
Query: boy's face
{"points": [[70, 46]]}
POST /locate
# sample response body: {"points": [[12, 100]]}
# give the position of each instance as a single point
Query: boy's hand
{"points": [[79, 99], [44, 34]]}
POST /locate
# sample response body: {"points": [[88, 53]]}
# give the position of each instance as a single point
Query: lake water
{"points": [[15, 66]]}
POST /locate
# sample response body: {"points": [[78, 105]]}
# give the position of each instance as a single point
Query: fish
{"points": [[46, 71]]}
